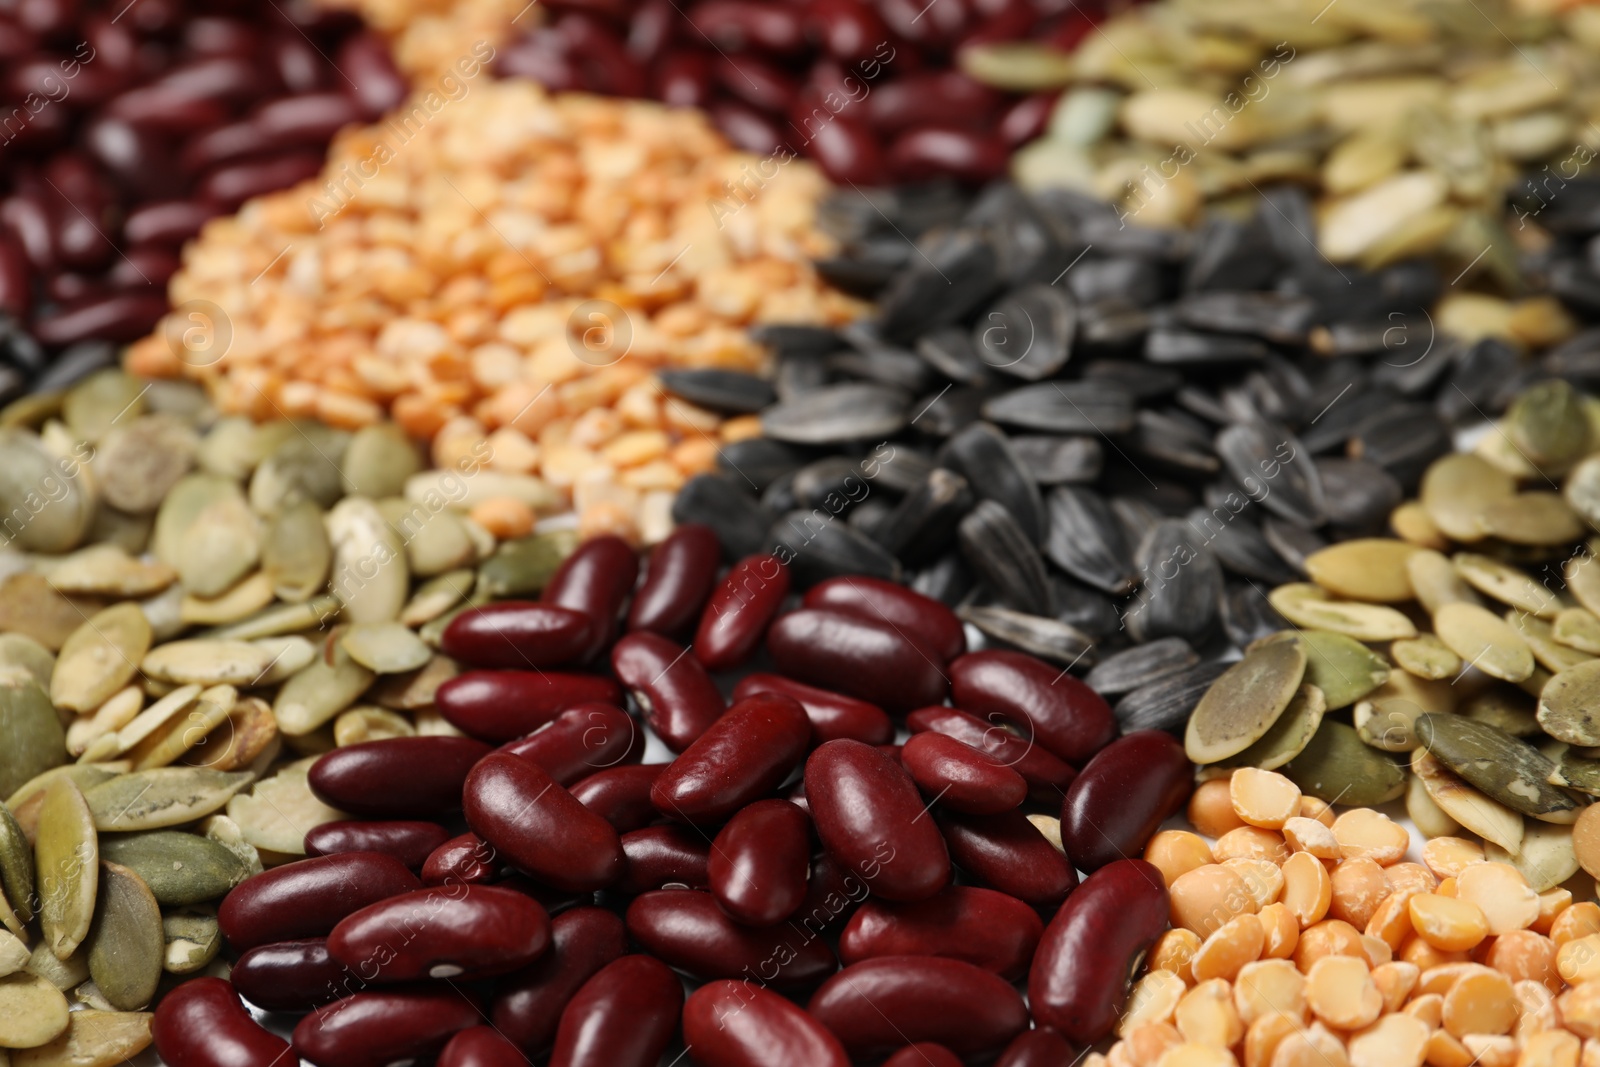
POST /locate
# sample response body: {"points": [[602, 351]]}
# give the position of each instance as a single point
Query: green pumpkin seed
{"points": [[1387, 718], [163, 797], [225, 832], [281, 620], [20, 650], [181, 508], [385, 647], [302, 465], [243, 600], [1342, 667], [100, 657], [16, 865], [414, 691], [436, 541], [1548, 424], [221, 548], [1242, 705], [101, 401], [1582, 490], [180, 868], [437, 596], [1504, 708], [1493, 762], [126, 945], [107, 570], [1287, 737], [32, 1011], [63, 974], [295, 553], [1308, 606], [1569, 706], [32, 739], [1337, 767], [318, 693], [29, 605], [193, 940], [1484, 642], [141, 459], [92, 1039], [24, 803], [1487, 818], [1573, 771], [1506, 584], [1425, 656], [1537, 518], [207, 662], [54, 494], [1457, 489], [369, 564], [378, 461], [33, 409], [363, 724], [1578, 628], [1540, 635], [67, 864], [524, 566], [278, 812], [1372, 569]]}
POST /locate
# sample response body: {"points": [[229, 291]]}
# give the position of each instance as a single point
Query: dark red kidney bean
{"points": [[233, 185], [481, 1046], [292, 976], [377, 1029], [369, 69], [760, 861], [538, 826], [1008, 853], [741, 25], [115, 317], [396, 776], [74, 179], [832, 895], [28, 220], [682, 568], [621, 795], [879, 601], [604, 65], [870, 817], [410, 842], [80, 240], [162, 109], [527, 1005], [660, 857], [1047, 776], [201, 1023], [1055, 709], [296, 63], [16, 289], [1026, 119], [959, 776], [1011, 22], [651, 30], [214, 35], [581, 741], [740, 1024], [500, 706], [307, 898], [595, 580], [1042, 1047], [979, 926], [215, 78], [137, 158], [923, 1054], [927, 27], [965, 155], [876, 1006], [1070, 31], [169, 222], [870, 660], [756, 82], [539, 58], [309, 118], [748, 129], [465, 931], [739, 611], [743, 755], [678, 700], [935, 97], [518, 635], [71, 287], [849, 30], [621, 1017], [466, 859], [1079, 980], [1122, 796], [833, 715], [221, 145], [143, 267], [689, 930]]}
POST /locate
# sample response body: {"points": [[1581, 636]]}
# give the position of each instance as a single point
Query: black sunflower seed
{"points": [[759, 460], [1291, 541], [786, 340], [1056, 460], [1133, 280], [817, 545], [1172, 441], [982, 455], [1087, 541], [948, 411], [1064, 407], [947, 580], [1165, 705], [1049, 639], [1188, 347], [998, 551], [1143, 381], [719, 390], [838, 478], [1180, 584], [1239, 544], [1112, 324], [797, 376], [836, 414], [1278, 317], [1342, 415], [950, 351], [940, 285], [923, 526], [1132, 668], [1403, 440], [1246, 615], [1084, 608], [1275, 469], [1028, 333], [725, 505], [1360, 495]]}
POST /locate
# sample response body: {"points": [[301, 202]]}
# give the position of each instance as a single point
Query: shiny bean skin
{"points": [[1058, 711], [16, 291], [677, 698], [1122, 797], [979, 926], [681, 79], [740, 1024], [1040, 1047], [481, 1046], [166, 221], [292, 976], [876, 1006], [942, 97], [112, 317], [539, 827], [832, 715], [960, 776], [923, 1054], [527, 1005], [1048, 777], [308, 118], [202, 1024], [307, 898], [737, 25], [470, 932], [848, 29], [663, 856], [869, 660], [519, 634], [760, 861], [744, 755], [1079, 980], [500, 706], [466, 859], [621, 1017], [581, 741], [678, 577], [622, 796], [396, 775], [690, 931], [373, 1029], [747, 128], [410, 842], [370, 73], [233, 185], [1027, 119], [1008, 853], [870, 817], [880, 601], [740, 609], [595, 580], [832, 895]]}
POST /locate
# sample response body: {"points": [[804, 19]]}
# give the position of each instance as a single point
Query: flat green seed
{"points": [[92, 1039], [1371, 569], [242, 601], [32, 1011], [1338, 768], [193, 940], [66, 857], [58, 522], [32, 739], [1342, 667], [13, 953], [366, 723], [1550, 654], [1484, 641], [1493, 762], [378, 461], [1457, 488], [1582, 576], [180, 868], [100, 657], [1506, 584], [385, 647], [301, 462], [280, 620], [1425, 656], [1289, 736], [1548, 423], [126, 946], [203, 662], [295, 553], [28, 605], [20, 650], [1387, 718], [1436, 581], [225, 832], [369, 575], [163, 797], [524, 566], [1569, 705], [416, 690], [222, 547], [437, 596], [106, 570], [1241, 705], [1578, 628], [1308, 606], [1487, 818], [1508, 709], [16, 865], [436, 539], [1537, 518], [1573, 771], [102, 400], [1547, 858], [181, 733]]}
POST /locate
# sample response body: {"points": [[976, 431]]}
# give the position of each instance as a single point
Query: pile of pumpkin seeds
{"points": [[191, 609]]}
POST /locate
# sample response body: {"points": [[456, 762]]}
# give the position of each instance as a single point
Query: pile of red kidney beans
{"points": [[836, 897], [867, 88]]}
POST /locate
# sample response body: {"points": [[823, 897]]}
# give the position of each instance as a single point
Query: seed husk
{"points": [[100, 657], [385, 647], [1458, 488], [67, 864], [319, 692], [1540, 635], [1501, 706], [237, 741], [1507, 584], [30, 605], [63, 974], [367, 723], [1087, 541], [369, 574], [32, 739], [201, 661], [1242, 705], [1253, 452], [1387, 718], [1573, 771], [1370, 568], [1487, 818], [1141, 665], [163, 797], [437, 596], [1569, 705], [179, 868], [16, 866], [524, 566], [998, 548], [24, 803], [1498, 765], [32, 1011], [1183, 604], [1308, 605], [1484, 641], [838, 414], [242, 601], [1289, 736], [1049, 639], [1425, 656], [1342, 667], [154, 718], [1338, 768], [20, 650], [221, 547], [193, 940], [1537, 518], [1436, 582], [92, 1039], [1081, 407], [126, 946], [279, 811], [1167, 704]]}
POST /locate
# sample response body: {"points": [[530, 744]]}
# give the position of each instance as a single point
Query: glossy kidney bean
{"points": [[211, 78], [866, 659], [376, 1029], [233, 185], [760, 861], [660, 857], [16, 291], [1008, 853], [595, 580], [682, 79], [929, 28], [202, 1024], [1122, 797], [621, 1017], [959, 776], [833, 715], [604, 65], [1047, 776], [923, 1054], [870, 817], [761, 84], [225, 143], [481, 1046], [307, 898], [680, 573], [740, 1024], [410, 842], [832, 895], [1052, 707], [581, 741], [162, 109], [465, 931], [170, 222], [538, 826], [849, 30], [465, 859], [747, 128], [845, 149], [28, 220], [396, 775], [876, 1006], [369, 73], [651, 29], [677, 698], [743, 25], [292, 976], [690, 931], [520, 634], [743, 755], [741, 607], [1026, 119], [143, 265], [622, 796], [877, 600], [942, 97], [1041, 1047], [499, 706], [1079, 980], [112, 317], [966, 155], [306, 118], [980, 926], [527, 1005]]}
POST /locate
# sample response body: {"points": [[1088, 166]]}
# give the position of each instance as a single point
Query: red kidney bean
{"points": [[307, 898], [377, 1029], [595, 580], [661, 857], [309, 118], [622, 796], [928, 27], [581, 741], [1079, 980], [1008, 853], [760, 861], [223, 144], [849, 30], [747, 128], [1055, 709], [833, 715], [539, 58], [739, 611], [466, 931], [876, 1006], [409, 842], [143, 266], [28, 220], [1122, 797], [16, 291], [675, 695], [651, 30], [520, 634], [164, 109], [935, 97], [369, 73], [743, 755], [870, 817], [215, 78], [960, 777], [1009, 23], [233, 185], [169, 222], [923, 1054], [870, 660], [481, 1046], [500, 706], [845, 149], [876, 600], [1038, 1048], [117, 317], [72, 288], [137, 158], [689, 930], [1027, 119], [527, 1005], [1047, 776], [292, 976], [465, 859], [397, 775], [832, 895], [763, 85], [202, 1024], [979, 926], [538, 826], [682, 568], [215, 35], [621, 1017], [966, 155], [740, 1024], [740, 25], [603, 63]]}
